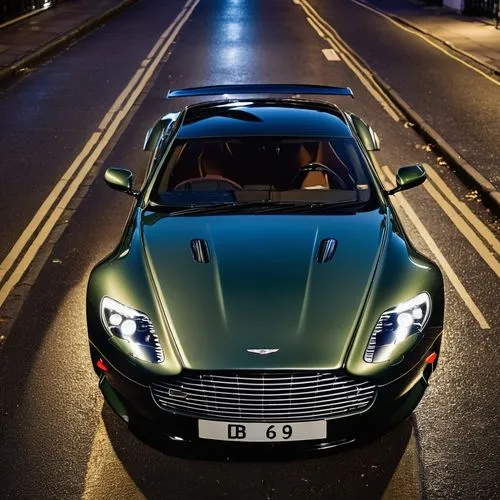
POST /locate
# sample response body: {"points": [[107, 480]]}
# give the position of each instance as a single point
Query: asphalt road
{"points": [[57, 438], [456, 101]]}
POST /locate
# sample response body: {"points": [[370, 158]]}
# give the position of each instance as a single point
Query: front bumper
{"points": [[133, 401]]}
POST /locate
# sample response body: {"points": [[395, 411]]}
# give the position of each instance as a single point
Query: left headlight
{"points": [[134, 327], [397, 324]]}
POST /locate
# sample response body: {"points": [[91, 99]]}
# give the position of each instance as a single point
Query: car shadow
{"points": [[362, 471]]}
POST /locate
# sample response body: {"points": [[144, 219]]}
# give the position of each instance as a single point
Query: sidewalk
{"points": [[474, 37], [26, 42]]}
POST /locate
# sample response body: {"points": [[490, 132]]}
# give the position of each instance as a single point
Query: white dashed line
{"points": [[330, 55]]}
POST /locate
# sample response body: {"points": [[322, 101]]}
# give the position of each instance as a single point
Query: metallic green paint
{"points": [[119, 179], [366, 134], [263, 288], [409, 177]]}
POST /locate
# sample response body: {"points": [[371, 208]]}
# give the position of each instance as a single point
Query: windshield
{"points": [[207, 172]]}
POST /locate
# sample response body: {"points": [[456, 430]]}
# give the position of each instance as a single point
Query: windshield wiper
{"points": [[216, 208], [258, 206], [305, 207]]}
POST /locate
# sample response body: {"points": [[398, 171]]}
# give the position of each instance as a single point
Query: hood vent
{"points": [[326, 250], [200, 251]]}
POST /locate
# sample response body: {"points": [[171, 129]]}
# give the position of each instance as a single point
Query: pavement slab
{"points": [[30, 35]]}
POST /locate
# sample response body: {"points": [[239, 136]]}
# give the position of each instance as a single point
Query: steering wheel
{"points": [[190, 184], [318, 167]]}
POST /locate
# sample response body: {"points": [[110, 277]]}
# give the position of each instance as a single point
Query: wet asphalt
{"points": [[57, 440], [457, 102]]}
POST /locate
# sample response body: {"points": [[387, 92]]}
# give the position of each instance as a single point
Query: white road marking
{"points": [[330, 55], [400, 203], [427, 40], [325, 31], [471, 218], [96, 144]]}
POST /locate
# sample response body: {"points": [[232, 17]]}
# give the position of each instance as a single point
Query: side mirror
{"points": [[408, 177], [120, 179], [368, 137]]}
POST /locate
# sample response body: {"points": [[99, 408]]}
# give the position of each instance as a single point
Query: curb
{"points": [[20, 19], [490, 67], [61, 41], [464, 170]]}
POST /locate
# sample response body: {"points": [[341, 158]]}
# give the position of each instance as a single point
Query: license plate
{"points": [[262, 432]]}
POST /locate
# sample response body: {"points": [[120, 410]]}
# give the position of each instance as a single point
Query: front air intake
{"points": [[264, 396], [200, 251], [326, 250]]}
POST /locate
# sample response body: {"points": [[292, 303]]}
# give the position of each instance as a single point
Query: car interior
{"points": [[257, 164]]}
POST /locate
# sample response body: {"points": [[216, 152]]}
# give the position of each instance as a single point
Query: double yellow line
{"points": [[22, 254], [325, 31], [470, 226]]}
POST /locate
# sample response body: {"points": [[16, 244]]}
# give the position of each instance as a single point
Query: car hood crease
{"points": [[263, 287]]}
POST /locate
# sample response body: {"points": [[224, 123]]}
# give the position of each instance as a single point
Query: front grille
{"points": [[270, 396]]}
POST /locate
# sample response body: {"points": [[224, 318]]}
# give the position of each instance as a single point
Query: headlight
{"points": [[134, 327], [397, 324]]}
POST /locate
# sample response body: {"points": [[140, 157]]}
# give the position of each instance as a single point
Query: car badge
{"points": [[262, 351]]}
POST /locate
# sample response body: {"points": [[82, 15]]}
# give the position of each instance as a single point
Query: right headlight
{"points": [[134, 327], [397, 324]]}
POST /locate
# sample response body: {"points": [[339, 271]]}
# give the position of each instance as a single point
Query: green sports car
{"points": [[264, 290]]}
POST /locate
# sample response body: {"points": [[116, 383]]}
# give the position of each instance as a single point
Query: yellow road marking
{"points": [[474, 221], [97, 142], [401, 204], [325, 31], [465, 229]]}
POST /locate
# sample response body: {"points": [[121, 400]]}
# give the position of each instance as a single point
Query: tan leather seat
{"points": [[212, 160], [313, 180], [327, 156]]}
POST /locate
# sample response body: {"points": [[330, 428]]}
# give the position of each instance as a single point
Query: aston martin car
{"points": [[264, 292]]}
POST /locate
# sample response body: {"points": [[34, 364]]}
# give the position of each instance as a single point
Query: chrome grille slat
{"points": [[273, 397], [271, 387], [272, 417], [270, 378], [264, 396], [297, 406]]}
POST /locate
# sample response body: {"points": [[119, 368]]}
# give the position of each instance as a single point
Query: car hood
{"points": [[262, 287]]}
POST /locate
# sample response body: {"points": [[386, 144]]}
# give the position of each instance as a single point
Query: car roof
{"points": [[263, 117]]}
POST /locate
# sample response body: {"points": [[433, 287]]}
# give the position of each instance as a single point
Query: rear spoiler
{"points": [[263, 88]]}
